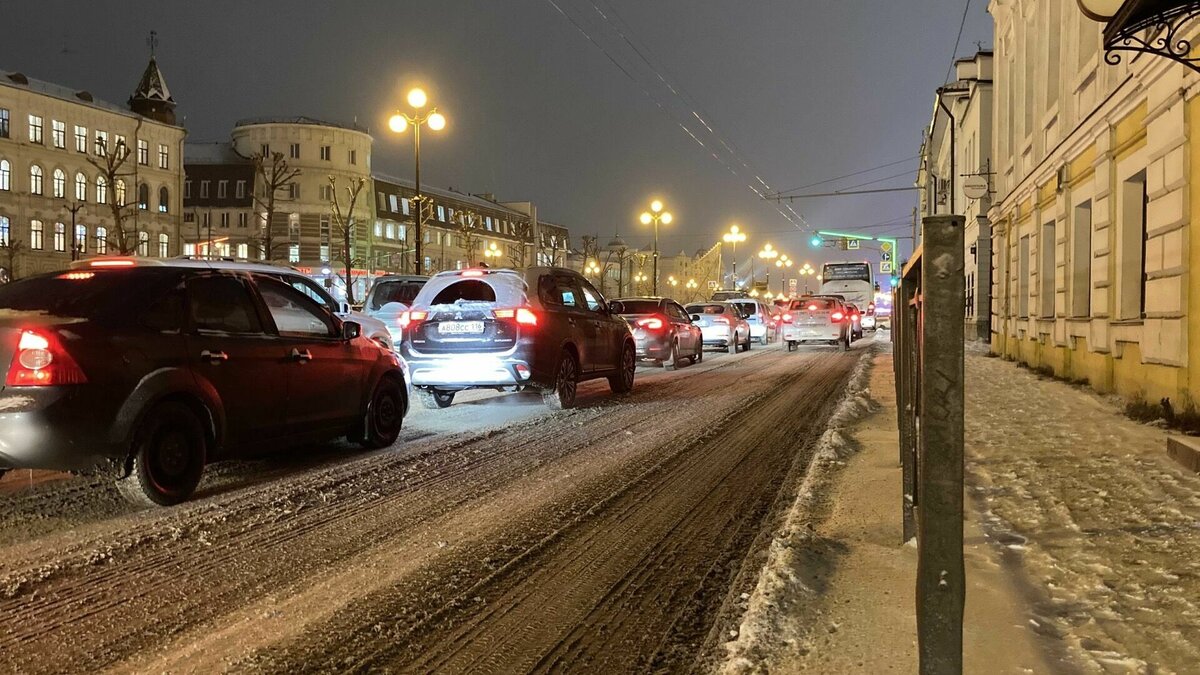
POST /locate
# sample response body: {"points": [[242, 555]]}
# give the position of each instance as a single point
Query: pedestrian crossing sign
{"points": [[885, 267]]}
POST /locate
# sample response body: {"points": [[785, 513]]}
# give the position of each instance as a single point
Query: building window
{"points": [[294, 253], [243, 219], [207, 220], [324, 251], [204, 189], [441, 211], [404, 206], [1131, 248], [60, 237], [80, 243], [143, 149], [390, 231], [119, 189], [5, 175], [189, 249], [101, 240], [143, 243], [101, 190], [243, 250], [164, 245], [326, 193], [294, 151], [35, 129], [378, 229], [58, 134], [326, 153], [225, 219], [187, 189], [240, 190], [393, 203], [294, 190], [164, 200], [35, 235], [81, 187], [143, 195], [101, 143], [121, 145], [1047, 246], [266, 150], [164, 157], [35, 180], [4, 231], [1023, 270], [488, 222], [354, 157], [222, 189], [60, 184], [3, 122]]}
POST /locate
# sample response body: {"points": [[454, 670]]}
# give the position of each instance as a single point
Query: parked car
{"points": [[389, 297], [662, 330], [868, 318], [722, 296], [816, 319], [722, 325], [758, 315], [544, 327], [151, 369], [856, 328]]}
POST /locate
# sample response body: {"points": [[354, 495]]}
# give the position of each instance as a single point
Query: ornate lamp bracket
{"points": [[1158, 27]]}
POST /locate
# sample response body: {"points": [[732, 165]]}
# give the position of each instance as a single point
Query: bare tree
{"points": [[516, 255], [11, 249], [273, 174], [109, 165], [344, 225], [468, 227]]}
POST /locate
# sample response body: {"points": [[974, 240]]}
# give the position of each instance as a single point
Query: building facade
{"points": [[81, 177], [1093, 212], [958, 148]]}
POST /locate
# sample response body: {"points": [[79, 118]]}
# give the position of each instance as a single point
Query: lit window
{"points": [[119, 189], [441, 211], [101, 240], [189, 249], [35, 235], [294, 253], [80, 243], [4, 231], [35, 179], [143, 152], [394, 203], [143, 243], [81, 138], [164, 200], [164, 245], [35, 129], [101, 190], [60, 184], [58, 133], [243, 250], [390, 231], [324, 252], [81, 187], [378, 229], [3, 122], [404, 206], [5, 175], [101, 142], [122, 147], [60, 237], [164, 157]]}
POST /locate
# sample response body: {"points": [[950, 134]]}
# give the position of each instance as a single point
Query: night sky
{"points": [[799, 91]]}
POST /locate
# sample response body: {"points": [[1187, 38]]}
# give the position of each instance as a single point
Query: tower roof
{"points": [[153, 86]]}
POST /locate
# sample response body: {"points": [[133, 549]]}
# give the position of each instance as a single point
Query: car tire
{"points": [[622, 382], [846, 343], [385, 415], [698, 357], [432, 399], [748, 342], [733, 345], [791, 346], [672, 361], [167, 457], [566, 383]]}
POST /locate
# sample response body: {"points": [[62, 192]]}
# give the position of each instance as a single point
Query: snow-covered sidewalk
{"points": [[1101, 527]]}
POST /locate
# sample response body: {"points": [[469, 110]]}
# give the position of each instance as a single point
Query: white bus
{"points": [[851, 280]]}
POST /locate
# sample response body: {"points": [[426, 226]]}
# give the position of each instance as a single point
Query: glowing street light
{"points": [[783, 262], [639, 279], [805, 272], [656, 215], [399, 123], [492, 252], [768, 253], [591, 268], [734, 236]]}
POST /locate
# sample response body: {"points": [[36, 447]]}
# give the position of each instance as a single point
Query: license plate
{"points": [[460, 327]]}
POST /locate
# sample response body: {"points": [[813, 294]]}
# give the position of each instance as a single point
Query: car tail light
{"points": [[870, 307], [652, 323], [410, 317], [812, 308], [41, 361], [117, 262], [472, 273], [837, 316], [787, 318], [720, 319], [523, 315], [77, 276]]}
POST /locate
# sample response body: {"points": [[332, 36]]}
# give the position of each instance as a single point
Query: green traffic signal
{"points": [[816, 242]]}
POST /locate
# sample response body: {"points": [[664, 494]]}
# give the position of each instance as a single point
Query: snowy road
{"points": [[494, 535]]}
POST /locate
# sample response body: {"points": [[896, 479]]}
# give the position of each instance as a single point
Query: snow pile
{"points": [[771, 609]]}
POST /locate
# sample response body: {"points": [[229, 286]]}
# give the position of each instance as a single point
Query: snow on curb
{"points": [[771, 616]]}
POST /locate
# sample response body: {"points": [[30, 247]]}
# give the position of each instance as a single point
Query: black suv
{"points": [[544, 327], [151, 369]]}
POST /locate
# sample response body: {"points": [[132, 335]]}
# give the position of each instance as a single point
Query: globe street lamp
{"points": [[783, 262], [399, 123], [806, 272], [734, 236], [492, 253], [591, 268], [691, 285], [656, 215], [768, 253], [638, 280]]}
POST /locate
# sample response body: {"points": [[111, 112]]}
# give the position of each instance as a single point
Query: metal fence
{"points": [[927, 334]]}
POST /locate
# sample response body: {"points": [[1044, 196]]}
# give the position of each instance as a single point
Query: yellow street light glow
{"points": [[417, 98], [646, 218], [666, 219], [437, 121], [397, 123], [656, 206]]}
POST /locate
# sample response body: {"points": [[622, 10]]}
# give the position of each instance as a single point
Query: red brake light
{"points": [[41, 361], [410, 317], [838, 316], [472, 273], [871, 307], [812, 308], [77, 276], [787, 318], [112, 263], [653, 323], [526, 317]]}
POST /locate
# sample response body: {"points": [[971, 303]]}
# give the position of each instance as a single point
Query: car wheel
{"points": [[167, 457], [566, 383], [622, 382], [791, 346], [672, 361], [385, 415], [698, 357], [733, 344], [432, 399], [846, 343], [748, 341]]}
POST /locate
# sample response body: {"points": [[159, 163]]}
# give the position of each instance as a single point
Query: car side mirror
{"points": [[343, 308], [351, 330], [695, 318]]}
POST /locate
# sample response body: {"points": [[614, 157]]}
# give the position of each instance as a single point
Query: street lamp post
{"points": [[656, 215], [74, 209], [768, 253], [806, 272], [783, 262], [733, 236], [492, 252], [638, 280], [398, 123], [692, 286], [591, 268]]}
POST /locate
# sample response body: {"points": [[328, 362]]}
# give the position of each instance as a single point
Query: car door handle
{"points": [[214, 357], [298, 355]]}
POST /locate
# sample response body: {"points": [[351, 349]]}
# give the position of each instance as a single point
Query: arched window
{"points": [[143, 243], [119, 189], [35, 180], [81, 185], [164, 200], [102, 240], [60, 184], [81, 238], [101, 190], [164, 245], [5, 175], [4, 231], [143, 196]]}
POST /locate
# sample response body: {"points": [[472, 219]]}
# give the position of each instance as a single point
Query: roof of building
{"points": [[18, 80], [153, 86], [447, 194], [212, 152], [301, 119]]}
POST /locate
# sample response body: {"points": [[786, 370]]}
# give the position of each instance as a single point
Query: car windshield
{"points": [[706, 309], [83, 294], [635, 306], [393, 290]]}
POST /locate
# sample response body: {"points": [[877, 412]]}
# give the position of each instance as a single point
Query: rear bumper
{"points": [[806, 333], [652, 346], [758, 330], [467, 371], [48, 428], [716, 336], [868, 322]]}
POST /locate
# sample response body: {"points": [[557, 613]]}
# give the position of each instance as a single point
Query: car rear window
{"points": [[635, 306], [706, 309], [388, 291], [83, 294], [817, 304], [502, 290], [748, 308]]}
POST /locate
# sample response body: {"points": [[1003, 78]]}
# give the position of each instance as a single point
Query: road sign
{"points": [[852, 244], [975, 187], [885, 267], [792, 284], [885, 256], [885, 246], [712, 285]]}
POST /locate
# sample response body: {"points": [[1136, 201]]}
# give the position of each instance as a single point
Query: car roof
{"points": [[401, 277], [189, 262]]}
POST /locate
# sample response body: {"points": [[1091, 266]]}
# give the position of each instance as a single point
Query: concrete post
{"points": [[905, 320], [941, 591]]}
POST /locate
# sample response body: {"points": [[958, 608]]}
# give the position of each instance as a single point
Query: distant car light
{"points": [[837, 316]]}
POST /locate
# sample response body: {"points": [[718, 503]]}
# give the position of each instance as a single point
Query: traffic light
{"points": [[816, 241]]}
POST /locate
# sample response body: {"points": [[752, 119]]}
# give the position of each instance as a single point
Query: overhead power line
{"points": [[849, 175], [957, 40]]}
